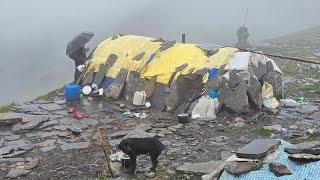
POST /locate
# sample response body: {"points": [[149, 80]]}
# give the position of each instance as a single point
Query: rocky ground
{"points": [[41, 146]]}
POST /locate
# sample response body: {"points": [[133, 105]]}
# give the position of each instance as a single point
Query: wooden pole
{"points": [[312, 61], [106, 152]]}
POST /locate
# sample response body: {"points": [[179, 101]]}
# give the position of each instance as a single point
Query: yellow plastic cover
{"points": [[163, 63]]}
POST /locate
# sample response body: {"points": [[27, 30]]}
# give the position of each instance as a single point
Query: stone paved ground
{"points": [[41, 146]]}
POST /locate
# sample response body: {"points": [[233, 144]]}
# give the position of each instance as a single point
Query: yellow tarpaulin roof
{"points": [[162, 64]]}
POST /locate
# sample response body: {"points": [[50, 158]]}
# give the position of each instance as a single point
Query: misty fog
{"points": [[34, 33]]}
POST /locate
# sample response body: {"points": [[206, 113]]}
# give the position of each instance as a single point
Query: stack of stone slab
{"points": [[238, 84], [241, 88], [251, 157]]}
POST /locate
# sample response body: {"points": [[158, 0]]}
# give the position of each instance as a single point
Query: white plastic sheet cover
{"points": [[239, 61]]}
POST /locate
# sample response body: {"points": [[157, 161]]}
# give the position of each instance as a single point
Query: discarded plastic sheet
{"points": [[123, 117], [268, 100], [107, 82], [238, 61], [205, 108], [141, 115], [81, 68], [299, 171]]}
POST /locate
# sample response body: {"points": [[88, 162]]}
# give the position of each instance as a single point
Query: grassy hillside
{"points": [[300, 79], [307, 34]]}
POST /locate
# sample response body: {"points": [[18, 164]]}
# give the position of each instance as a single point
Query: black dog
{"points": [[136, 146]]}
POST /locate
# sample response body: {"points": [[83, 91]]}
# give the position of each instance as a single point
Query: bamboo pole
{"points": [[106, 152]]}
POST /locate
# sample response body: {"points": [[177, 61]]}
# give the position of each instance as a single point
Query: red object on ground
{"points": [[71, 110], [77, 115]]}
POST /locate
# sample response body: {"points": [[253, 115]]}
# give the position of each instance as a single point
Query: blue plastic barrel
{"points": [[72, 92]]}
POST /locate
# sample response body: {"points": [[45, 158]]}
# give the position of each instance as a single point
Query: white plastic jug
{"points": [[139, 98]]}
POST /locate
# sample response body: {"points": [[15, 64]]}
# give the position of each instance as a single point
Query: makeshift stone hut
{"points": [[173, 74]]}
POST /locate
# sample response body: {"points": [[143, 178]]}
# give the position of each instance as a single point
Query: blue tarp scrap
{"points": [[307, 171], [107, 82], [123, 117], [213, 73], [150, 58]]}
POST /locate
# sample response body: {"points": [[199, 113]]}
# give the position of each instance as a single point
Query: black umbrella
{"points": [[78, 42]]}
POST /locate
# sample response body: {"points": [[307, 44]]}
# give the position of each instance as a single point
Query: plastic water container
{"points": [[139, 98], [72, 92]]}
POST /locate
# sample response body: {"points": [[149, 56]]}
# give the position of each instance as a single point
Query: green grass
{"points": [[102, 175], [295, 141], [50, 94], [263, 132], [7, 107]]}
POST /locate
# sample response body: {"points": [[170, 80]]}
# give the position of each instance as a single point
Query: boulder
{"points": [[116, 88], [261, 70], [275, 79], [88, 78], [269, 66], [147, 85], [255, 92], [234, 79], [182, 89], [131, 85], [234, 99], [158, 99]]}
